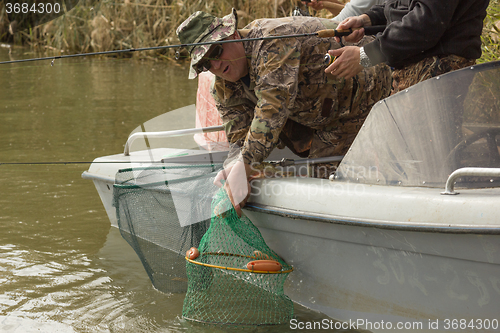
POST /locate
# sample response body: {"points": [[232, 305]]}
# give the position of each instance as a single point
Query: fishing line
{"points": [[283, 162], [74, 162], [75, 62]]}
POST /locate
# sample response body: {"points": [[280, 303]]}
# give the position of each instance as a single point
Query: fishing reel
{"points": [[297, 11]]}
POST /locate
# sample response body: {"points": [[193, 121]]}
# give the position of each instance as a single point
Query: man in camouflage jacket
{"points": [[276, 90]]}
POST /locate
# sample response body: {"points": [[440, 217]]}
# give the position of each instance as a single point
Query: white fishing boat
{"points": [[406, 234]]}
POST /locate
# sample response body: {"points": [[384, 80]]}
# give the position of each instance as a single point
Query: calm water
{"points": [[62, 267]]}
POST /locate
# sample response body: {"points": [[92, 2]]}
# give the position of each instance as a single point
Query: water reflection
{"points": [[62, 268]]}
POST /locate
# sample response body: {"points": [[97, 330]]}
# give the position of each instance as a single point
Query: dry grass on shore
{"points": [[102, 25], [491, 33], [123, 24]]}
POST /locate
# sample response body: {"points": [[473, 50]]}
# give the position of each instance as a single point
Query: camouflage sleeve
{"points": [[275, 66], [236, 112]]}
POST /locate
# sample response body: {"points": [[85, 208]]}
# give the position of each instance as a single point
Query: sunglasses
{"points": [[204, 64]]}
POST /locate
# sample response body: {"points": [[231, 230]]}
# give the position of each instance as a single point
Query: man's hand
{"points": [[316, 5], [354, 22], [347, 63], [333, 6], [237, 186]]}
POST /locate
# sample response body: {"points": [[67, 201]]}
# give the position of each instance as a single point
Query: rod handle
{"points": [[370, 30]]}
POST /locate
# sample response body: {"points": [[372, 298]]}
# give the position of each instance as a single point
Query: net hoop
{"points": [[235, 269]]}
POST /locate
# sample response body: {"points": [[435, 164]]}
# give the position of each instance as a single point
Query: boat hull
{"points": [[368, 275], [368, 255]]}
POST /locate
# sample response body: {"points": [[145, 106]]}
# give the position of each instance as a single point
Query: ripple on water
{"points": [[13, 324]]}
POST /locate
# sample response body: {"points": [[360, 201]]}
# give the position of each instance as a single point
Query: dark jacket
{"points": [[417, 29]]}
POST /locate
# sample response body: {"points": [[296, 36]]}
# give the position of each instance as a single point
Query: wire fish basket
{"points": [[234, 278]]}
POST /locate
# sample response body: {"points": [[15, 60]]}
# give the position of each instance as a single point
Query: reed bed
{"points": [[95, 26], [104, 25], [491, 33]]}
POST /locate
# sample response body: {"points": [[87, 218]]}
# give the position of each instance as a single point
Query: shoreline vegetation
{"points": [[104, 25]]}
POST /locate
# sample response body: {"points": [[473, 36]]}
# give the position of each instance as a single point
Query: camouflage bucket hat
{"points": [[201, 27]]}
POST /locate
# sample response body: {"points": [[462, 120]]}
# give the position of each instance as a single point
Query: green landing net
{"points": [[236, 278], [230, 281], [162, 212]]}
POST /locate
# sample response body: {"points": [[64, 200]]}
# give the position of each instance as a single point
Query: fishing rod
{"points": [[326, 33]]}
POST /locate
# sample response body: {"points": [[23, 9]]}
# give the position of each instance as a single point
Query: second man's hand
{"points": [[347, 63]]}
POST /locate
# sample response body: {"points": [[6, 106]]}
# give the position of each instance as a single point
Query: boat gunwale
{"points": [[378, 224], [359, 222]]}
